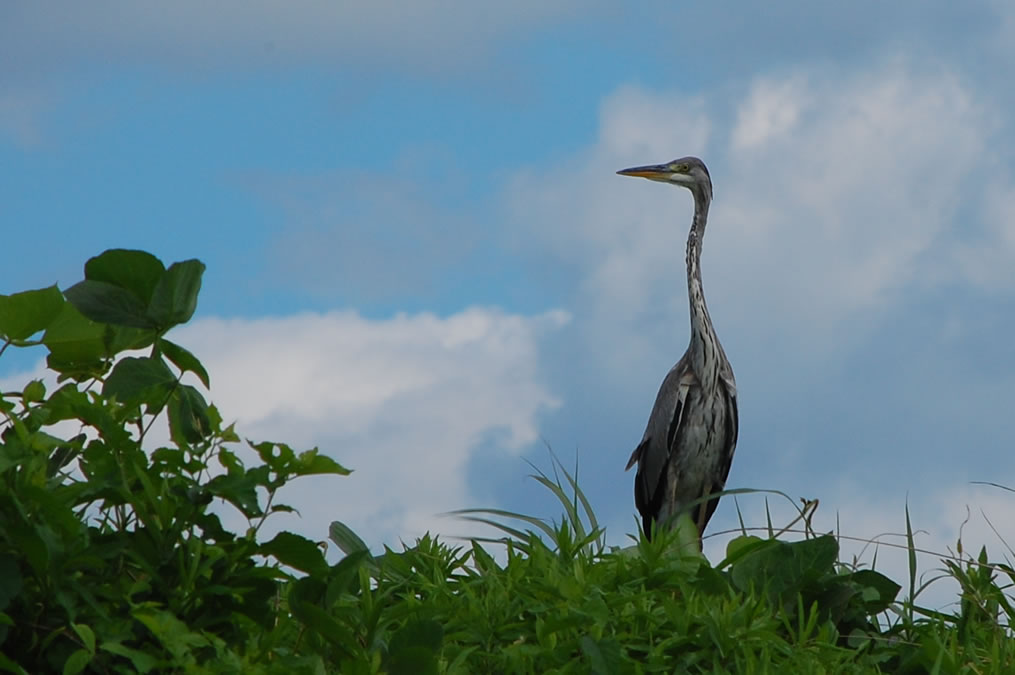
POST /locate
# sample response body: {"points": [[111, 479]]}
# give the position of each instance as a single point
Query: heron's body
{"points": [[691, 435]]}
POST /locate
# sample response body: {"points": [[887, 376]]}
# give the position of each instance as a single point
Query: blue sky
{"points": [[420, 259]]}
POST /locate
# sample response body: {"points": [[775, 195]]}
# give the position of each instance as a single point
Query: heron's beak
{"points": [[658, 172]]}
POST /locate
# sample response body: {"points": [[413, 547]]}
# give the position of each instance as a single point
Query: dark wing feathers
{"points": [[732, 431], [653, 462]]}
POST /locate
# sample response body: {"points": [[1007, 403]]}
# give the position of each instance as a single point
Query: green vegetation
{"points": [[112, 559]]}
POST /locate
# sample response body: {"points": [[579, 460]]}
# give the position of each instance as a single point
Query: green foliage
{"points": [[113, 557]]}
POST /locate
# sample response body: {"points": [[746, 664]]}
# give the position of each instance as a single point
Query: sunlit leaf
{"points": [[24, 314]]}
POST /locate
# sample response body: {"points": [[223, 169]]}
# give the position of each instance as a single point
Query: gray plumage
{"points": [[691, 434]]}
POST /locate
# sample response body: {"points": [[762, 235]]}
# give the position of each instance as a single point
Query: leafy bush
{"points": [[113, 559]]}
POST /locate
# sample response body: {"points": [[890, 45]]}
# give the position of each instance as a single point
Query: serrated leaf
{"points": [[185, 361], [24, 314], [175, 297], [297, 552], [136, 379], [135, 271], [103, 302]]}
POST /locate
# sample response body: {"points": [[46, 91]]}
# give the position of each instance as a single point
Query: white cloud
{"points": [[405, 402], [834, 192]]}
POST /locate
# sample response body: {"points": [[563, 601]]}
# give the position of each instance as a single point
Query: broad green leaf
{"points": [[103, 302], [174, 634], [175, 298], [311, 462], [296, 551], [188, 414], [143, 662], [22, 315], [76, 662], [782, 567], [124, 338], [136, 379], [33, 391], [887, 590], [134, 271], [86, 634], [279, 457], [184, 360], [75, 343], [240, 490]]}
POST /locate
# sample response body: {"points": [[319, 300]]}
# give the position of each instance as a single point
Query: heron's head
{"points": [[689, 172]]}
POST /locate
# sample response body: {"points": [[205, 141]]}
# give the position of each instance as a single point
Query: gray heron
{"points": [[688, 446]]}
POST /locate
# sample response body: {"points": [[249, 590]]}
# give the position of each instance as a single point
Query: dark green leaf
{"points": [[604, 656], [782, 567], [22, 315], [413, 661], [175, 296], [138, 379], [297, 552], [320, 621], [239, 489], [425, 633], [76, 662], [123, 338], [887, 590], [279, 456], [143, 662], [184, 360], [134, 271], [105, 303], [343, 573], [10, 579], [188, 414]]}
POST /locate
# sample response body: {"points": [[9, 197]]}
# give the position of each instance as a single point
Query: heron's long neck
{"points": [[704, 348]]}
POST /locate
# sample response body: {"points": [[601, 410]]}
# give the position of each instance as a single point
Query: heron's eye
{"points": [[678, 168]]}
